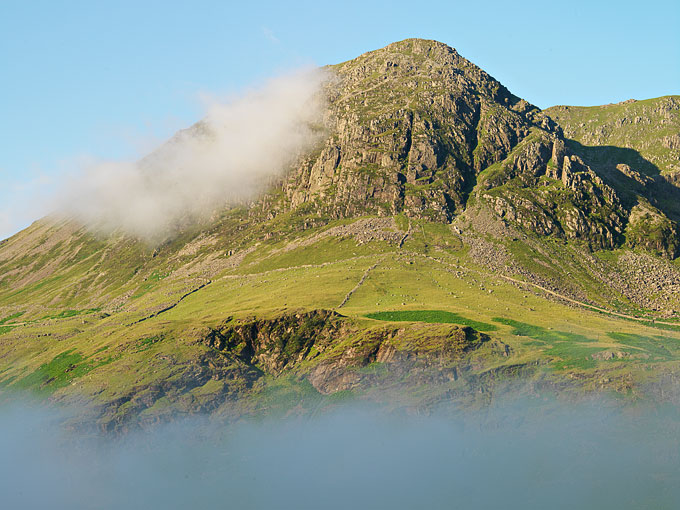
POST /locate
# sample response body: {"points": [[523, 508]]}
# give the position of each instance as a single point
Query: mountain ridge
{"points": [[440, 240]]}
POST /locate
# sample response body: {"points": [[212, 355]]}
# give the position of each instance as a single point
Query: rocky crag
{"points": [[414, 128]]}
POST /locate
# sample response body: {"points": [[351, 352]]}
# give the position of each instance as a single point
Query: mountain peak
{"points": [[420, 46], [411, 125], [415, 54]]}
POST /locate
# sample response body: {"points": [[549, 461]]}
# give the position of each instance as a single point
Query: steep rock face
{"points": [[410, 126], [544, 188]]}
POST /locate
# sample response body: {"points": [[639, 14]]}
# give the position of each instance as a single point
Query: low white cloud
{"points": [[232, 155]]}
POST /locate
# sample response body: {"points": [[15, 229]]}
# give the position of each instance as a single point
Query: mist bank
{"points": [[231, 156], [519, 455]]}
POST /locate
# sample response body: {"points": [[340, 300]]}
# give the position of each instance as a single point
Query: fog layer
{"points": [[582, 456]]}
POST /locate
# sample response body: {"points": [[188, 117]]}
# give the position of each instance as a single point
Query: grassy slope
{"points": [[112, 357]]}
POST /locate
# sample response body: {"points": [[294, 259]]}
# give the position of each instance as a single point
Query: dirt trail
{"points": [[586, 305]]}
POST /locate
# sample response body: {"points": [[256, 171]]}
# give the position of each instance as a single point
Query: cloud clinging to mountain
{"points": [[230, 156]]}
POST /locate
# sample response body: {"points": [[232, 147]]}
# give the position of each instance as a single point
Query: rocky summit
{"points": [[444, 240], [411, 126]]}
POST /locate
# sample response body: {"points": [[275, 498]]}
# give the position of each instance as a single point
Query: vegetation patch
{"points": [[278, 396], [65, 314], [11, 317], [157, 276], [142, 289], [540, 333], [573, 355], [144, 344], [402, 222], [6, 382], [321, 252], [30, 290], [59, 372], [571, 349], [658, 347], [431, 316]]}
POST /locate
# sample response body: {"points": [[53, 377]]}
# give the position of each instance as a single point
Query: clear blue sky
{"points": [[107, 79]]}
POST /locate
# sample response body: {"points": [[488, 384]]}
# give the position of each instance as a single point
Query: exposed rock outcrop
{"points": [[274, 344], [333, 354], [651, 230], [414, 128], [410, 126]]}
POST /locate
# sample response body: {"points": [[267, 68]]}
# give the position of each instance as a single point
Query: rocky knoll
{"points": [[634, 145], [307, 343], [545, 188]]}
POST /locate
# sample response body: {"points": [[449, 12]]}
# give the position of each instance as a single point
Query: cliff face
{"points": [[635, 146], [410, 127]]}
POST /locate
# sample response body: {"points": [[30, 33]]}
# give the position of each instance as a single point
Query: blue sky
{"points": [[111, 79]]}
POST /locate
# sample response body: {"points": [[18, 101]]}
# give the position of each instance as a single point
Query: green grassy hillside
{"points": [[310, 316]]}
